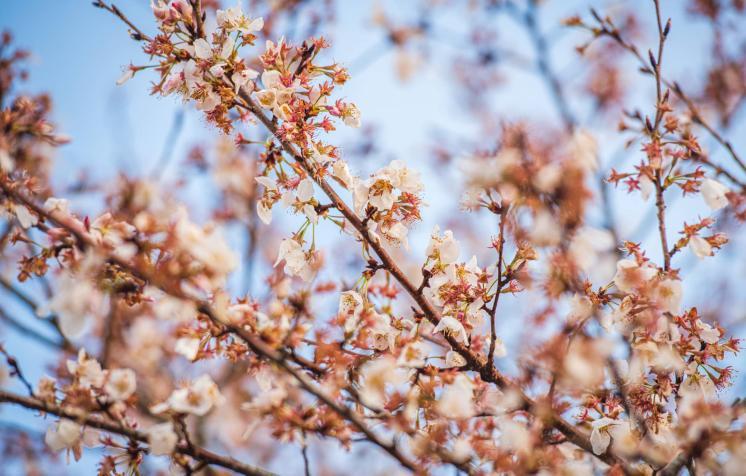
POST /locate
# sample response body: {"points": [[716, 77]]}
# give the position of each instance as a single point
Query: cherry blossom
{"points": [[700, 247], [297, 261], [451, 326], [162, 438], [197, 398], [604, 430], [65, 434], [630, 275], [714, 194], [120, 384], [457, 400]]}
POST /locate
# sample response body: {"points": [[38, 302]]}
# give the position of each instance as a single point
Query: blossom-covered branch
{"points": [[69, 429]]}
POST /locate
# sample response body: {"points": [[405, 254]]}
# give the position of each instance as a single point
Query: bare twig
{"points": [[135, 32], [17, 372]]}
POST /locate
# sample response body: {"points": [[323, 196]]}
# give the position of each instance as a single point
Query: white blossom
{"points": [[296, 259], [120, 384], [581, 308], [707, 333], [271, 393], [647, 187], [25, 218], [383, 334], [7, 164], [188, 347], [207, 246], [241, 78], [53, 204], [413, 355], [350, 308], [443, 249], [86, 370], [514, 435], [700, 247], [454, 359], [457, 399], [275, 94], [341, 171], [696, 387], [584, 150], [351, 116], [630, 275], [202, 49], [197, 398], [548, 178], [601, 434], [263, 209], [233, 19], [546, 229], [451, 326], [376, 375], [588, 246], [396, 234], [65, 434], [714, 194], [128, 74], [162, 438], [668, 295]]}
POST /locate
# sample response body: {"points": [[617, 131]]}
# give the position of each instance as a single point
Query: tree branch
{"points": [[197, 453]]}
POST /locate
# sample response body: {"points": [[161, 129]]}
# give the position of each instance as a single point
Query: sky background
{"points": [[79, 52]]}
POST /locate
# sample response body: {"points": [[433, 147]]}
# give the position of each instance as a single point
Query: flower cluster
{"points": [[389, 199]]}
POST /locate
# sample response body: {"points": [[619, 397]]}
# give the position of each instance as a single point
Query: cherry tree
{"points": [[163, 363]]}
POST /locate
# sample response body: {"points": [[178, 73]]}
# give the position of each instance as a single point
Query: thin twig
{"points": [[501, 283], [136, 33], [17, 372], [659, 182]]}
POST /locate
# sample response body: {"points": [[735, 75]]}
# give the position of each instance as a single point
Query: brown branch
{"points": [[661, 214], [684, 457], [110, 324], [93, 421], [659, 182], [501, 283], [197, 7]]}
